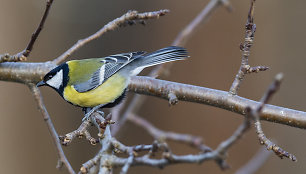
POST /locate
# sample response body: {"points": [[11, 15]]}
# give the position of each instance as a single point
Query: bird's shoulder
{"points": [[123, 57], [82, 70]]}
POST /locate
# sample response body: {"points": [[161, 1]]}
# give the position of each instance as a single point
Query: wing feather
{"points": [[112, 64], [92, 83]]}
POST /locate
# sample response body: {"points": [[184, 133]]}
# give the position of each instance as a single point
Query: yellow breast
{"points": [[106, 93]]}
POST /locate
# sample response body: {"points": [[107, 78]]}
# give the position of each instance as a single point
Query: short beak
{"points": [[41, 83]]}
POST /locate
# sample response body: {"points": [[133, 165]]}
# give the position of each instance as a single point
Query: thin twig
{"points": [[270, 145], [245, 48], [225, 145], [129, 16], [90, 163], [61, 155], [128, 164], [168, 157], [161, 135], [105, 153], [22, 56], [11, 58], [107, 159], [121, 148], [255, 113], [29, 48], [106, 146], [80, 132]]}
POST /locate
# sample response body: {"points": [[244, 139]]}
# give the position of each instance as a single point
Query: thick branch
{"points": [[24, 72], [217, 98], [33, 72]]}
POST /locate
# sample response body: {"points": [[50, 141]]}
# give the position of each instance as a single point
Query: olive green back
{"points": [[82, 70]]}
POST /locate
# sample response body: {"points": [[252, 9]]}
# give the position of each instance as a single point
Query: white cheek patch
{"points": [[57, 80]]}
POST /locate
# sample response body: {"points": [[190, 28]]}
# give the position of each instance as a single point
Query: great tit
{"points": [[101, 82]]}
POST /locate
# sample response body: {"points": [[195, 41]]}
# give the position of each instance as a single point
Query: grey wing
{"points": [[112, 64], [115, 62], [92, 83]]}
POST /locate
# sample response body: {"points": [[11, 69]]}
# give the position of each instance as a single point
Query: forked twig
{"points": [[255, 113], [80, 132], [245, 48]]}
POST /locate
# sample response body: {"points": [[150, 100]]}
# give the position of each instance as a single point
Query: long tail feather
{"points": [[164, 55]]}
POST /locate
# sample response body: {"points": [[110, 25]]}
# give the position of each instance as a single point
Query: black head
{"points": [[57, 78]]}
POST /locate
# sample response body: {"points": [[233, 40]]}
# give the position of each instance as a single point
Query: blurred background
{"points": [[26, 145]]}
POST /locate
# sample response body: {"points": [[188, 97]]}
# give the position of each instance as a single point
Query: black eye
{"points": [[48, 77]]}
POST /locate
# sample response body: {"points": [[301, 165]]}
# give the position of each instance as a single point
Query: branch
{"points": [[161, 135], [47, 119], [245, 48], [180, 40], [107, 158], [33, 72], [220, 152], [29, 48], [255, 113], [80, 132], [22, 56], [121, 21], [105, 139], [170, 158], [217, 98]]}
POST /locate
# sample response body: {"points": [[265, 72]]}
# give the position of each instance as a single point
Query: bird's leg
{"points": [[89, 111]]}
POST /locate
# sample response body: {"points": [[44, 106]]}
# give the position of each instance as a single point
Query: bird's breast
{"points": [[106, 93]]}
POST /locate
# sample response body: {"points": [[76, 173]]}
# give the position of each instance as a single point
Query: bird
{"points": [[96, 83]]}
